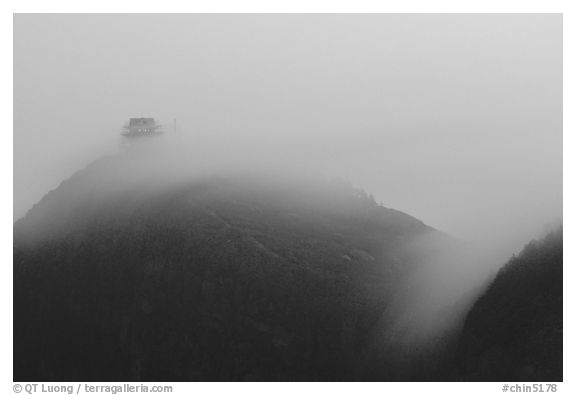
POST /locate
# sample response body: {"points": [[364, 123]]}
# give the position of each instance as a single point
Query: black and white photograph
{"points": [[287, 197]]}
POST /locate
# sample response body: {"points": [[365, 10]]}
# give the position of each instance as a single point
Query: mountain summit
{"points": [[125, 274]]}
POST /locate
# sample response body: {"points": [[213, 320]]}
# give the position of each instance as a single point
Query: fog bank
{"points": [[454, 119]]}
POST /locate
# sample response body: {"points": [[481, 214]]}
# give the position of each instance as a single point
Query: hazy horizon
{"points": [[454, 119]]}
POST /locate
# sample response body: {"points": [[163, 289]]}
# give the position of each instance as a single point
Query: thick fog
{"points": [[454, 119]]}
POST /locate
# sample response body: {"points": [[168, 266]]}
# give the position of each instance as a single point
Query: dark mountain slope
{"points": [[514, 331], [121, 274]]}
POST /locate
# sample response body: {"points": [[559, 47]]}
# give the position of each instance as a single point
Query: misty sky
{"points": [[455, 119]]}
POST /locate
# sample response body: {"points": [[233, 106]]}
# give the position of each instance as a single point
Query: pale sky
{"points": [[454, 119]]}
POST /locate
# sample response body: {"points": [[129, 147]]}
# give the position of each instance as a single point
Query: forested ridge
{"points": [[250, 278], [514, 330]]}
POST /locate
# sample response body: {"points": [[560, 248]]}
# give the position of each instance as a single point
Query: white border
{"points": [[246, 6]]}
